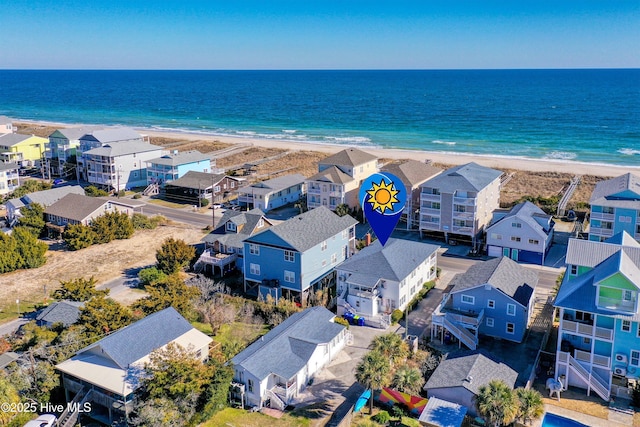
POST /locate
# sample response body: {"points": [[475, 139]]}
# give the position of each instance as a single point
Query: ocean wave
{"points": [[628, 151], [359, 140], [289, 131], [560, 155], [437, 141]]}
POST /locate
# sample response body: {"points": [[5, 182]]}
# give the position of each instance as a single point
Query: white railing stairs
{"points": [[275, 400], [595, 382], [463, 334], [151, 190], [70, 415]]}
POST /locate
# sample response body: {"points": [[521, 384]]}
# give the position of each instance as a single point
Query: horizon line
{"points": [[323, 69]]}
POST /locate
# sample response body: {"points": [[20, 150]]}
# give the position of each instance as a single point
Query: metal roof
{"points": [[122, 148], [622, 191], [589, 253], [180, 158], [468, 177]]}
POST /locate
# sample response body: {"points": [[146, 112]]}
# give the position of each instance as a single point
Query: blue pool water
{"points": [[552, 420]]}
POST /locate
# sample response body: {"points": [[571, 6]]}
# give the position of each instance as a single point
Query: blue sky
{"points": [[328, 34]]}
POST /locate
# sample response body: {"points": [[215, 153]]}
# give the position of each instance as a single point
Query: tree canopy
{"points": [[497, 403], [79, 236], [169, 292], [101, 315], [33, 218], [79, 289], [174, 255], [373, 372]]}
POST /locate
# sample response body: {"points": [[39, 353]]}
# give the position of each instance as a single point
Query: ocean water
{"points": [[575, 115]]}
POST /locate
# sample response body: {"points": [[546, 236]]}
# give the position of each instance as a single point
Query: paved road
{"points": [[182, 215], [128, 280], [12, 326]]}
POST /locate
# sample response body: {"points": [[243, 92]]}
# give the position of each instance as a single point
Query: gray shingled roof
{"points": [[589, 253], [412, 172], [286, 349], [331, 174], [108, 135], [4, 120], [526, 212], [180, 158], [7, 358], [122, 148], [248, 220], [304, 231], [139, 339], [274, 185], [503, 274], [393, 261], [197, 180], [469, 177], [8, 166], [605, 192], [65, 312], [74, 133], [349, 157], [49, 197], [471, 372], [75, 206], [11, 139]]}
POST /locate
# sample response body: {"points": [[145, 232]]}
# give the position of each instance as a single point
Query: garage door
{"points": [[495, 251]]}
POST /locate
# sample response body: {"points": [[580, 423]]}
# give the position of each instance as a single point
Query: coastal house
{"points": [[44, 198], [380, 279], [413, 174], [224, 245], [298, 256], [615, 207], [524, 233], [194, 186], [493, 298], [62, 149], [275, 369], [9, 178], [459, 202], [339, 177], [6, 125], [175, 165], [64, 312], [458, 378], [95, 138], [272, 193], [120, 165], [26, 150], [599, 332], [107, 373]]}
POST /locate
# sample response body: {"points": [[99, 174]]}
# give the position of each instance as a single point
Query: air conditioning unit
{"points": [[621, 358], [619, 371]]}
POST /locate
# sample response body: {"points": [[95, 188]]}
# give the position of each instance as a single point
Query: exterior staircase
{"points": [[70, 415], [151, 190], [595, 383], [275, 400], [461, 333]]}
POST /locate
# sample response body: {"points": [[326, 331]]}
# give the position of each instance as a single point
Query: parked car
{"points": [[58, 181], [44, 420]]}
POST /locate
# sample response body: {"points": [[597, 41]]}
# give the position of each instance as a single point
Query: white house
{"points": [[9, 178], [63, 144], [275, 368], [380, 279], [6, 125], [524, 233], [272, 193]]}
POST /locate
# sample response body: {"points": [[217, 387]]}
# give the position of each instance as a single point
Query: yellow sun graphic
{"points": [[383, 196]]}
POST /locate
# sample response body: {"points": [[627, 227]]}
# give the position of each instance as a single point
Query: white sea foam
{"points": [[289, 131], [560, 155], [437, 141], [628, 151], [360, 140]]}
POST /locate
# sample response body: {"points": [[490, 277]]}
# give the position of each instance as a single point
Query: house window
{"points": [[490, 322], [289, 256], [626, 326], [510, 328], [254, 249], [233, 184], [231, 226], [255, 269], [323, 245], [534, 241], [638, 332], [607, 210], [289, 276], [516, 225], [584, 316], [511, 309], [586, 341], [491, 304], [626, 295], [574, 270], [260, 223], [250, 385], [635, 358], [334, 258], [496, 236], [468, 299], [345, 234], [515, 238]]}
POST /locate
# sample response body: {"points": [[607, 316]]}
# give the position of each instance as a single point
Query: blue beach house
{"points": [[175, 165], [615, 207], [599, 333], [493, 298], [272, 193], [298, 256]]}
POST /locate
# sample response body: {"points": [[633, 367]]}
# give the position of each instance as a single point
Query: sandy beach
{"points": [[497, 162]]}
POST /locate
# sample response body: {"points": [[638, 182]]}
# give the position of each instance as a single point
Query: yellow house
{"points": [[27, 150]]}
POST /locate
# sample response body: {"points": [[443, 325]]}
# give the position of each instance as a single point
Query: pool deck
{"points": [[584, 418]]}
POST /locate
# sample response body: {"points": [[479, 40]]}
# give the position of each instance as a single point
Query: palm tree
{"points": [[408, 380], [391, 346], [373, 373], [497, 403], [531, 405], [342, 209]]}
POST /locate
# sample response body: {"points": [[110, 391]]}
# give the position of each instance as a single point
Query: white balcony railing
{"points": [[586, 329], [597, 231], [429, 197], [602, 216], [462, 230], [463, 215], [430, 211], [466, 201]]}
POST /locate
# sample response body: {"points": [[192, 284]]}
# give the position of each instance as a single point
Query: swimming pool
{"points": [[552, 420]]}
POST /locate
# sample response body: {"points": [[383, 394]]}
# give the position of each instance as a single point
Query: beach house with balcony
{"points": [[107, 373], [9, 178], [62, 147], [413, 174], [459, 202], [493, 298], [276, 368], [224, 246], [44, 198], [339, 177], [175, 165], [380, 279], [615, 207], [26, 150], [194, 186], [523, 233], [272, 193], [599, 333], [120, 165], [298, 256]]}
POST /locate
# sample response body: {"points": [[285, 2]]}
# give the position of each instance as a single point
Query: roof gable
{"points": [[468, 177], [75, 206], [412, 172], [349, 157], [331, 174], [528, 214]]}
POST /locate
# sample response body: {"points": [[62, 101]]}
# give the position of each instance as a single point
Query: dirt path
{"points": [[104, 262]]}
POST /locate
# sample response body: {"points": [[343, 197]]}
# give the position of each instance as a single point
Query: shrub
{"points": [[93, 191], [78, 236], [137, 196], [396, 316], [341, 321], [203, 201], [174, 255], [382, 417], [143, 222], [150, 276]]}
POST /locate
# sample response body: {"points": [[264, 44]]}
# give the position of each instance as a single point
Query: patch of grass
{"points": [[168, 204], [205, 328], [238, 333], [240, 418], [9, 309]]}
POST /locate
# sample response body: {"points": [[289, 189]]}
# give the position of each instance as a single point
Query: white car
{"points": [[44, 420]]}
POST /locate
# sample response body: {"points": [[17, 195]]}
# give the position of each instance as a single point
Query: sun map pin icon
{"points": [[382, 197]]}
